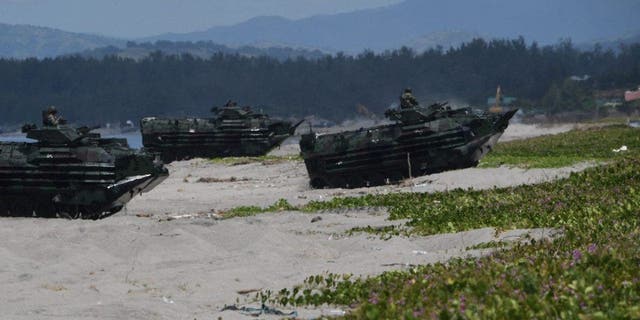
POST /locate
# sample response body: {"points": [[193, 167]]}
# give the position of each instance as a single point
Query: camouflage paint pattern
{"points": [[422, 141], [233, 132], [72, 173]]}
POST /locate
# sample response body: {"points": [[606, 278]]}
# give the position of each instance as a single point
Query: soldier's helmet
{"points": [[52, 110], [407, 90]]}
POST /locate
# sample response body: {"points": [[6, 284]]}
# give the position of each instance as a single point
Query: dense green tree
{"points": [[92, 91], [571, 95]]}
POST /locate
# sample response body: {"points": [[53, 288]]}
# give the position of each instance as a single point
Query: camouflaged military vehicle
{"points": [[72, 173], [422, 141], [234, 131]]}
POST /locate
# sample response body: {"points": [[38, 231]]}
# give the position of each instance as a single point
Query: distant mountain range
{"points": [[419, 24], [545, 21], [23, 41]]}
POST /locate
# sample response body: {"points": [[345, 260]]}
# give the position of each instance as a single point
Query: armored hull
{"points": [[234, 132], [72, 174], [422, 141]]}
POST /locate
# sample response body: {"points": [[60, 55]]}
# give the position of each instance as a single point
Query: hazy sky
{"points": [[138, 18]]}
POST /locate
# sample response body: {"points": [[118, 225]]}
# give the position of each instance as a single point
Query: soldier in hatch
{"points": [[230, 104], [407, 100], [50, 117]]}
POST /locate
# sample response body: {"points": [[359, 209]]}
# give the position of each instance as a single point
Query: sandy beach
{"points": [[168, 255]]}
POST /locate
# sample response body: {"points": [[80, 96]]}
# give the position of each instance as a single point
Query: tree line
{"points": [[109, 89]]}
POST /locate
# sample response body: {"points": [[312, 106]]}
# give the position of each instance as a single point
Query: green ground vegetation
{"points": [[245, 211], [591, 272], [565, 149], [266, 160]]}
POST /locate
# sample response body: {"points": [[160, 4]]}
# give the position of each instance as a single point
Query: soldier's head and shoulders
{"points": [[51, 118], [407, 100], [230, 104]]}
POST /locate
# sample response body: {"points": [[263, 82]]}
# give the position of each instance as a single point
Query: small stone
{"points": [[316, 219]]}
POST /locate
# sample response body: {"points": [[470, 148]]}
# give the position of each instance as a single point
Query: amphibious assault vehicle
{"points": [[233, 131], [421, 141], [72, 173]]}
